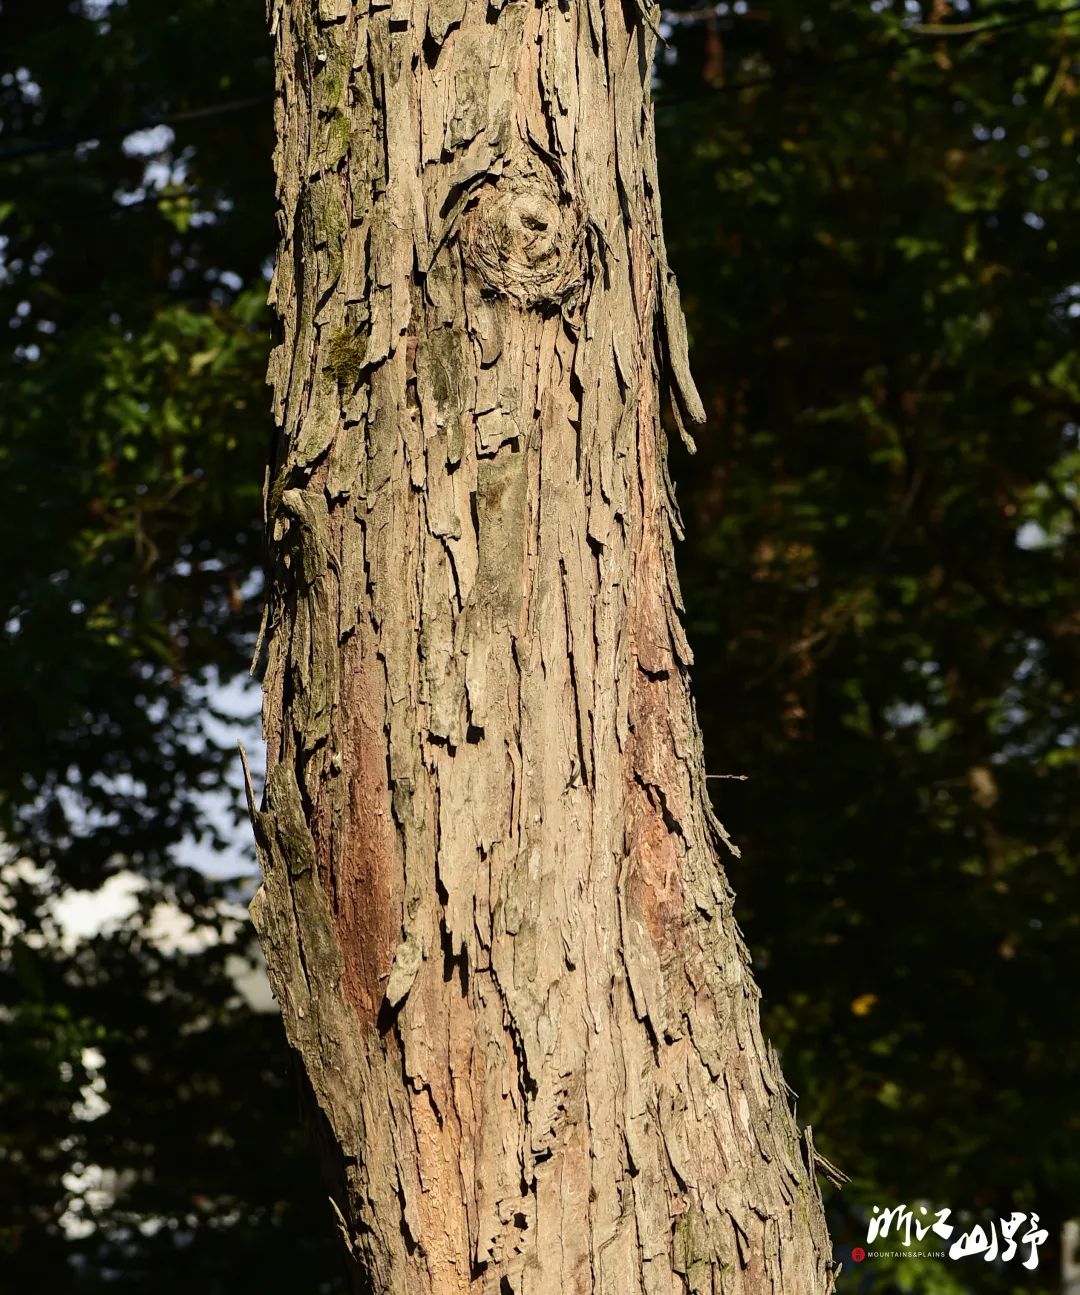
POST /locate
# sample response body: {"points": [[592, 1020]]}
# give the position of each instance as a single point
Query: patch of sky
{"points": [[229, 714], [149, 141], [903, 714]]}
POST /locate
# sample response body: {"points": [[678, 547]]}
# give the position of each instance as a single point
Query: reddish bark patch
{"points": [[654, 881], [366, 858]]}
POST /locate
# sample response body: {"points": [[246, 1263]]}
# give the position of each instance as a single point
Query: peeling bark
{"points": [[493, 910]]}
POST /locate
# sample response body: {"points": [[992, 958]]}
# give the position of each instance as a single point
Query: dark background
{"points": [[872, 208]]}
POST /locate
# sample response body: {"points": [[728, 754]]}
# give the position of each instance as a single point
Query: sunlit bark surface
{"points": [[493, 911]]}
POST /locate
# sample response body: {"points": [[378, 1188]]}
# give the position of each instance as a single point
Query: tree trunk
{"points": [[493, 910]]}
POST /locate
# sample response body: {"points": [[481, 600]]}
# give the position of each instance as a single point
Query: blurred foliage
{"points": [[869, 207], [883, 287], [150, 1134], [148, 1124], [134, 423]]}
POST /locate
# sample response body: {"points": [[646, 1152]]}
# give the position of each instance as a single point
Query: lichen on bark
{"points": [[494, 913]]}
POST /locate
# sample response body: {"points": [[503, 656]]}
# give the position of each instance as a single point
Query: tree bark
{"points": [[493, 910]]}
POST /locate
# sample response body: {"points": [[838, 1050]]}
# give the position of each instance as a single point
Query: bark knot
{"points": [[524, 239]]}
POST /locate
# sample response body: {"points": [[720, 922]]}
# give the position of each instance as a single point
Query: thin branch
{"points": [[63, 142]]}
